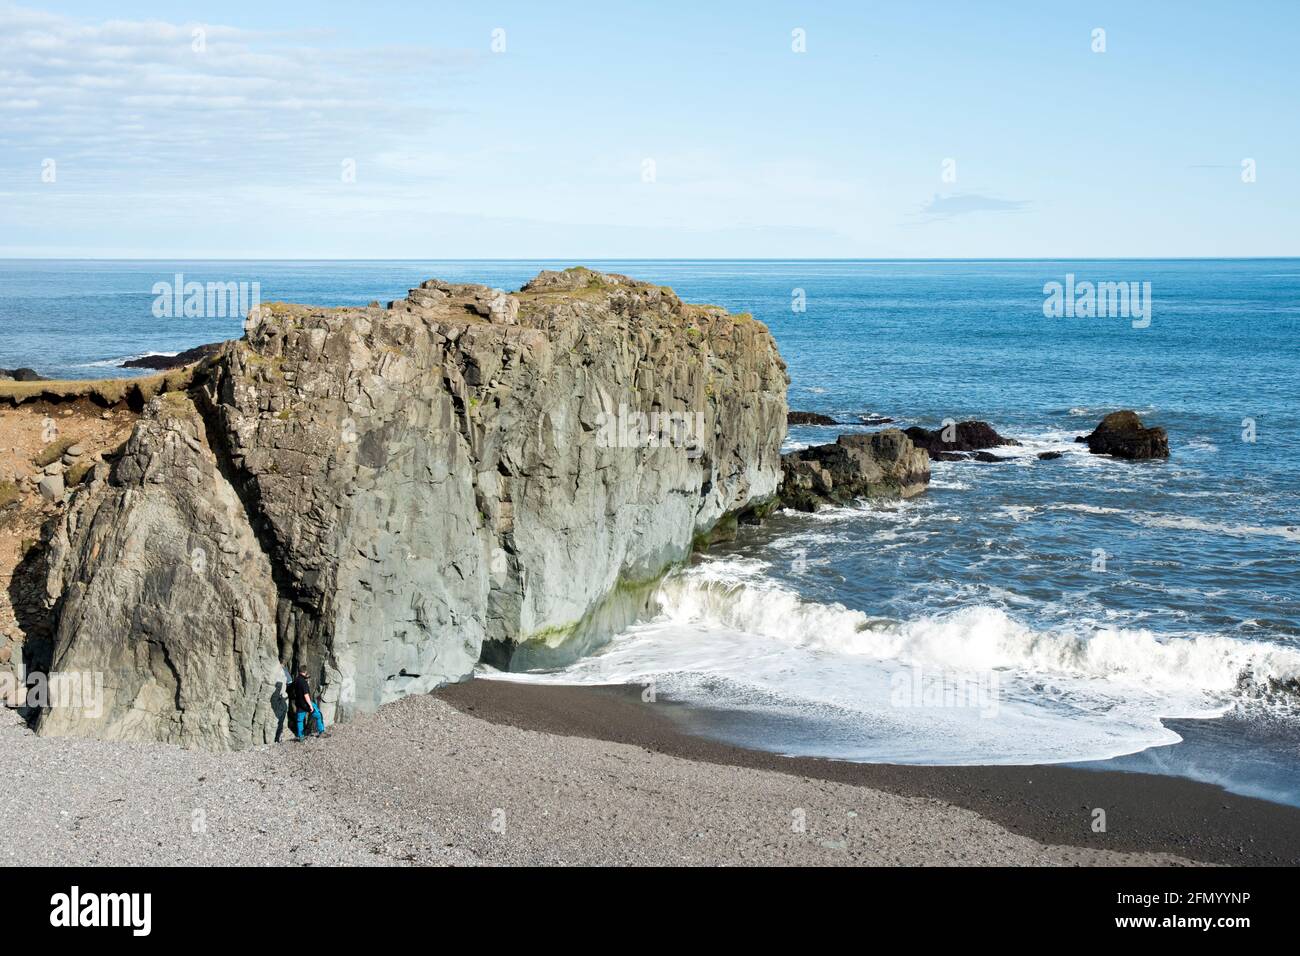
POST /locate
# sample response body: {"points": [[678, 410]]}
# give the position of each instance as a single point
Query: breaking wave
{"points": [[804, 677], [976, 638]]}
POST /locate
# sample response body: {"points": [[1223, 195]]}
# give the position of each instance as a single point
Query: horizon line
{"points": [[661, 259]]}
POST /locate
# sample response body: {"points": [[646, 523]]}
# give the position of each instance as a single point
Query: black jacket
{"points": [[300, 691]]}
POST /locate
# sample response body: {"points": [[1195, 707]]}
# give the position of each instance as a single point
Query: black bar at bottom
{"points": [[237, 908]]}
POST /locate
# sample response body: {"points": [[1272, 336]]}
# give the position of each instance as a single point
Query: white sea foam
{"points": [[1088, 509], [120, 361], [1102, 411], [1019, 512], [1184, 523], [973, 638], [729, 637]]}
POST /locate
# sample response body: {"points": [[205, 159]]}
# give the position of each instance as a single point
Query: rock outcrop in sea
{"points": [[955, 442], [179, 360], [20, 375], [883, 464], [1123, 435], [809, 418], [387, 495]]}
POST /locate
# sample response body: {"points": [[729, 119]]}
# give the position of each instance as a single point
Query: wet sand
{"points": [[1145, 813]]}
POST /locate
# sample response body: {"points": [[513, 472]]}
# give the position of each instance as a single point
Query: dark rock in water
{"points": [[21, 375], [950, 456], [163, 363], [1048, 455], [874, 420], [882, 464], [808, 418], [986, 456], [1081, 439], [1123, 435], [966, 436]]}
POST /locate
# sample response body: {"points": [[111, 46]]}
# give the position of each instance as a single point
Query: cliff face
{"points": [[164, 591], [386, 494]]}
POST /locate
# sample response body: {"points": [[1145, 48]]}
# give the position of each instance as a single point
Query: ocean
{"points": [[1081, 610]]}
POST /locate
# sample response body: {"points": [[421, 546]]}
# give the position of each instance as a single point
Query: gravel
{"points": [[76, 802], [419, 782]]}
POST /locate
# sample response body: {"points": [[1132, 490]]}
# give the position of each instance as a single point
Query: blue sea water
{"points": [[1079, 609]]}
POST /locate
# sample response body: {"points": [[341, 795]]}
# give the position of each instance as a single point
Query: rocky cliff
{"points": [[388, 494]]}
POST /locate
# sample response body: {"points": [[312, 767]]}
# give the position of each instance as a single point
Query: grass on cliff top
{"points": [[597, 287], [106, 392], [279, 310], [594, 289], [9, 493], [176, 406], [699, 310]]}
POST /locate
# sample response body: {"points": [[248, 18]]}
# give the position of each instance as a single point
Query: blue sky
{"points": [[541, 150]]}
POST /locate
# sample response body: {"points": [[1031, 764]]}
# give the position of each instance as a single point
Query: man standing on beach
{"points": [[306, 704]]}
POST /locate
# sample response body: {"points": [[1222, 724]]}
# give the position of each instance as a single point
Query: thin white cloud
{"points": [[237, 148], [106, 100], [964, 204]]}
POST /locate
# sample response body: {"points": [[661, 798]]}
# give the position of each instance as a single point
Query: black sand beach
{"points": [[1050, 804]]}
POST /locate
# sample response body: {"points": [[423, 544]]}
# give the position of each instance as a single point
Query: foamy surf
{"points": [[971, 686], [1183, 523], [123, 359]]}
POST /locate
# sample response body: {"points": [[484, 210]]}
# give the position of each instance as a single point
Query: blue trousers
{"points": [[302, 719]]}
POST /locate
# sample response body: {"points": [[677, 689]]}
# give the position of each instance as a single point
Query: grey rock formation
{"points": [[880, 464], [385, 495], [51, 487], [164, 595]]}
